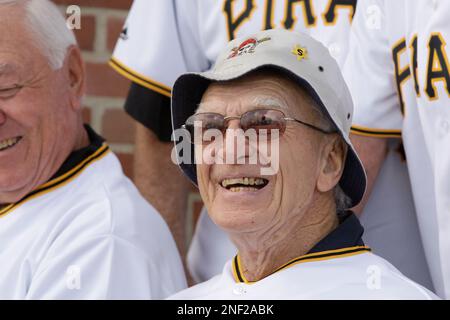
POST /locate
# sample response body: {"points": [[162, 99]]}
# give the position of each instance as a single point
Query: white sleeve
{"points": [[100, 267], [369, 73], [112, 249], [159, 43]]}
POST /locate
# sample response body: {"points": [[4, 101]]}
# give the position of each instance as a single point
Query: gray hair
{"points": [[48, 28]]}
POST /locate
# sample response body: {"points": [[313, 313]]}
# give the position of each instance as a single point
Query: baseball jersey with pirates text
{"points": [[398, 74]]}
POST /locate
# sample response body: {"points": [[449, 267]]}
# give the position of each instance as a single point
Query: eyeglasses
{"points": [[261, 120]]}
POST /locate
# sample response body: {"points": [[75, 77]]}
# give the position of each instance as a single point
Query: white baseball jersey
{"points": [[337, 268], [163, 39], [398, 73], [87, 234]]}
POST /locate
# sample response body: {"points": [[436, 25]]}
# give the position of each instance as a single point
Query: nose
{"points": [[235, 146], [233, 123]]}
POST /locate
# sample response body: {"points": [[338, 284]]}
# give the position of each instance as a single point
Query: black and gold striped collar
{"points": [[344, 241], [72, 167]]}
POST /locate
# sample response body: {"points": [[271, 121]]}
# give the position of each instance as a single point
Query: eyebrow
{"points": [[205, 105], [270, 103], [257, 102]]}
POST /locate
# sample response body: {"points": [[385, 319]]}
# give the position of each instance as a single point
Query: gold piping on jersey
{"points": [[139, 78], [58, 181], [316, 256], [379, 133]]}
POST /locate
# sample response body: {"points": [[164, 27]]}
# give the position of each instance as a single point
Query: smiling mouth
{"points": [[9, 143], [244, 184]]}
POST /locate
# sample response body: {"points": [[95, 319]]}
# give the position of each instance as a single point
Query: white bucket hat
{"points": [[299, 57]]}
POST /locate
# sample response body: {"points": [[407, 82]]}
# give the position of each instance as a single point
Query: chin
{"points": [[236, 220], [12, 185]]}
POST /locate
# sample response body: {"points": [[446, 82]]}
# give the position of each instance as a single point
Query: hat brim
{"points": [[187, 94]]}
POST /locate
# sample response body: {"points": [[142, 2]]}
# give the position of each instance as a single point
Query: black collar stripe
{"points": [[325, 255], [331, 254], [61, 180]]}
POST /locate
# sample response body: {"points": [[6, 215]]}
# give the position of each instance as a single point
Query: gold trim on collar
{"points": [[59, 181], [316, 256]]}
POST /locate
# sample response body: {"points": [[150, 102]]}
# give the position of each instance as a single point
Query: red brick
{"points": [[126, 160], [115, 26], [86, 115], [102, 80], [113, 4], [86, 34], [118, 126]]}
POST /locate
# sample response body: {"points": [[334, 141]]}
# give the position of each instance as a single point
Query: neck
{"points": [[262, 253], [82, 140]]}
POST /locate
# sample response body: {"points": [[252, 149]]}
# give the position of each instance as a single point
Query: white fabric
{"points": [[362, 276], [425, 124], [188, 35], [92, 238]]}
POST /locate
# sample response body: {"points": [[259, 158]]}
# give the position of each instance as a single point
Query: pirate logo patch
{"points": [[300, 52], [248, 46]]}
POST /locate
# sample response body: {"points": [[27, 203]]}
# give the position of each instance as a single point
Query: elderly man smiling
{"points": [[295, 238], [72, 226]]}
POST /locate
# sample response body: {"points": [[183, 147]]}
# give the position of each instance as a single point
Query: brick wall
{"points": [[101, 24]]}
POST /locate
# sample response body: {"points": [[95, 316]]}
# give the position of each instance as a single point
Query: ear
{"points": [[75, 70], [332, 164]]}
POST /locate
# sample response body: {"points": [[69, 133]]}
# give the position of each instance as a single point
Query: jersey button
{"points": [[239, 290]]}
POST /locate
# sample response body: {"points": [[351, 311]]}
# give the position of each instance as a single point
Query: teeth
{"points": [[8, 143], [239, 189], [244, 181]]}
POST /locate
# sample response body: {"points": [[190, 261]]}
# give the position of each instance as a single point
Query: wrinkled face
{"points": [[238, 204], [35, 111]]}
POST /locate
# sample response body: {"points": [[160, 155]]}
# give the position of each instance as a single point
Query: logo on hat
{"points": [[247, 46], [300, 52]]}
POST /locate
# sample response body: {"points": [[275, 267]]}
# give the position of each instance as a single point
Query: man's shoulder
{"points": [[121, 202], [103, 201], [369, 276], [205, 290]]}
